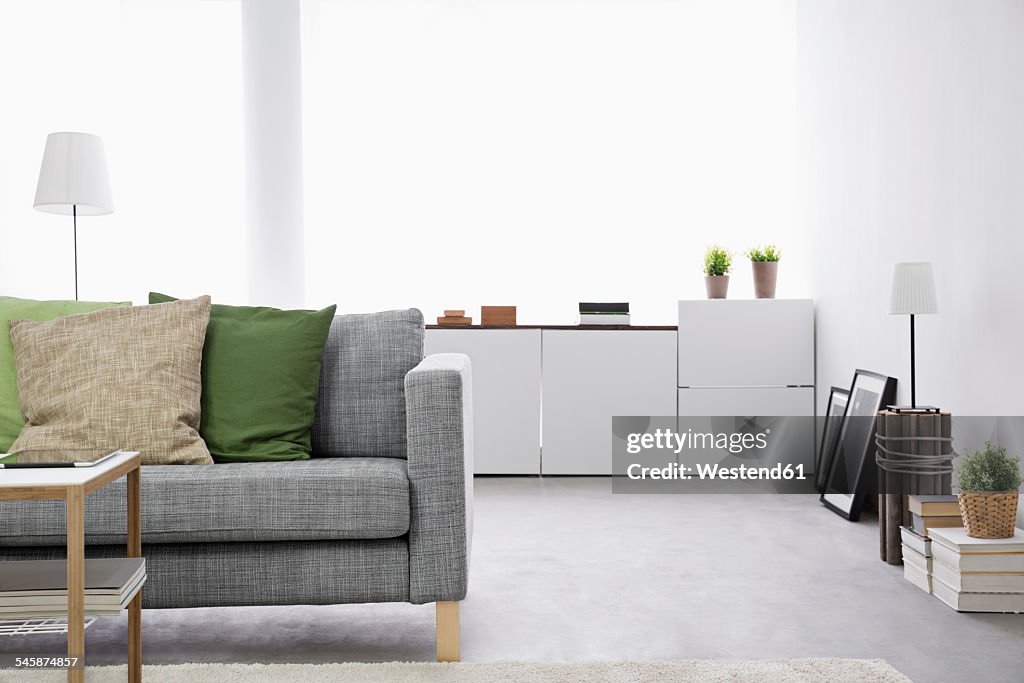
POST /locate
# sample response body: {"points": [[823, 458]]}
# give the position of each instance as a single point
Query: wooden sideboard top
{"points": [[667, 328]]}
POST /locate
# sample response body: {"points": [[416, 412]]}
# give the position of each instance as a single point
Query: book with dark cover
{"points": [[101, 575], [604, 307]]}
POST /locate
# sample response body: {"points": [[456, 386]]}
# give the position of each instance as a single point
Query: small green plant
{"points": [[717, 261], [988, 470], [769, 252]]}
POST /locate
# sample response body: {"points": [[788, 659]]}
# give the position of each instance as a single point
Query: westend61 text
{"points": [[779, 472]]}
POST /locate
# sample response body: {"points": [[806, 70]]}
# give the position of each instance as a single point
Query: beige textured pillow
{"points": [[117, 378]]}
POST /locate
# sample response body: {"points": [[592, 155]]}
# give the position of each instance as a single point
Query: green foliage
{"points": [[988, 470], [769, 252], [717, 261]]}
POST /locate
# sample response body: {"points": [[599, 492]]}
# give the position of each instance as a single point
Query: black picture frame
{"points": [[852, 470], [838, 397]]}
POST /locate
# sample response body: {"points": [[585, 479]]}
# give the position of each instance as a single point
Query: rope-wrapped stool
{"points": [[914, 456]]}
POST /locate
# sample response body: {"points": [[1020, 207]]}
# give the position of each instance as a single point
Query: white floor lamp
{"points": [[73, 180]]}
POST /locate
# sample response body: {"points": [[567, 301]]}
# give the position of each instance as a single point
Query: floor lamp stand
{"points": [[74, 223]]}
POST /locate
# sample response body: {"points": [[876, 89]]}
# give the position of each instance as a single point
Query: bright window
{"points": [[466, 152], [161, 83]]}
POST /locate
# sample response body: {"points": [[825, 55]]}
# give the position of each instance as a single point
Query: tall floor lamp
{"points": [[73, 180], [913, 293]]}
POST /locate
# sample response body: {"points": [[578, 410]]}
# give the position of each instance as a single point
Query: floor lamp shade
{"points": [[913, 290], [73, 177]]}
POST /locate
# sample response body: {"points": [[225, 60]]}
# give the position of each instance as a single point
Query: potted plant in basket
{"points": [[765, 262], [989, 483], [717, 262]]}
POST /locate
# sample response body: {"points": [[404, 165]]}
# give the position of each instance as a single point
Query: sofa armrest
{"points": [[439, 431]]}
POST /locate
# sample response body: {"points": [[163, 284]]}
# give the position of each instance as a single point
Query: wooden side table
{"points": [[72, 485]]}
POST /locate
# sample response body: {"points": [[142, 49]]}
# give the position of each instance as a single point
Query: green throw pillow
{"points": [[11, 308], [261, 375]]}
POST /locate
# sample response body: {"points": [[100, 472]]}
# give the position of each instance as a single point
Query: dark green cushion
{"points": [[11, 308], [261, 376]]}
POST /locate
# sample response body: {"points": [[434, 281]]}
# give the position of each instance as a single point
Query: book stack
{"points": [[37, 589], [978, 574], [454, 318], [932, 512], [604, 313], [917, 558]]}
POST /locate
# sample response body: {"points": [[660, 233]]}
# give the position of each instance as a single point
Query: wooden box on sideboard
{"points": [[498, 316]]}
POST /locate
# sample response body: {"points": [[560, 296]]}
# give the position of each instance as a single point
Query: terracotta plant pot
{"points": [[766, 274], [989, 514], [717, 286]]}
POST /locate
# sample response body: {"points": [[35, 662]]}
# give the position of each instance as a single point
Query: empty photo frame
{"points": [[852, 471], [833, 422]]}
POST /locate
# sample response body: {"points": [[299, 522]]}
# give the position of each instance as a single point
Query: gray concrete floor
{"points": [[563, 570]]}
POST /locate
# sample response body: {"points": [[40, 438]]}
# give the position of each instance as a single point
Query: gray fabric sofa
{"points": [[381, 513]]}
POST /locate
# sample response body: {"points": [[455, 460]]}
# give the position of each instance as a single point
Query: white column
{"points": [[272, 87]]}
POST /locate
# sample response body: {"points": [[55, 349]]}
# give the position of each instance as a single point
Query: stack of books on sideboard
{"points": [[604, 313]]}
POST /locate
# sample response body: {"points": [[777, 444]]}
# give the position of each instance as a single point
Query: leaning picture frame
{"points": [[833, 422], [852, 471]]}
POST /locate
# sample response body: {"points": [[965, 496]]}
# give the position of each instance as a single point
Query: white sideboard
{"points": [[506, 394], [571, 379], [544, 397], [778, 401], [746, 343], [592, 375], [750, 358]]}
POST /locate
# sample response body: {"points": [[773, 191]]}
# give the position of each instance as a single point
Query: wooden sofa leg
{"points": [[447, 631]]}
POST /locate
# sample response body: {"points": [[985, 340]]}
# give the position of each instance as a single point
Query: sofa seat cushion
{"points": [[319, 499]]}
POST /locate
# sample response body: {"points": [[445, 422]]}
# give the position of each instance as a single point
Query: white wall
{"points": [[912, 148]]}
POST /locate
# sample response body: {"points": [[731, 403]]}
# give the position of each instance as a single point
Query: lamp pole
{"points": [[913, 373]]}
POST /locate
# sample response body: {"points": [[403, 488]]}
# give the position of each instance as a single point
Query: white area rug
{"points": [[705, 671]]}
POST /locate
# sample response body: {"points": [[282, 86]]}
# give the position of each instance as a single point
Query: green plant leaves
{"points": [[769, 252], [717, 261], [988, 470]]}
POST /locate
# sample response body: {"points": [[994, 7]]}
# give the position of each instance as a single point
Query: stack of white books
{"points": [[37, 589], [978, 574], [917, 558]]}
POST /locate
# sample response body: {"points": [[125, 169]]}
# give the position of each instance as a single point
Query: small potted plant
{"points": [[989, 483], [765, 262], [717, 262]]}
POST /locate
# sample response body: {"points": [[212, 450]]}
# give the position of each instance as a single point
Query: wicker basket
{"points": [[989, 515]]}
